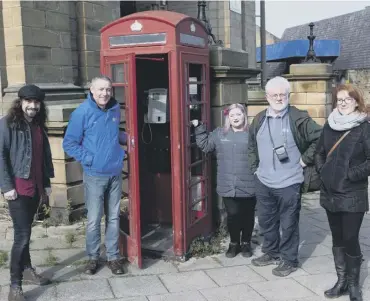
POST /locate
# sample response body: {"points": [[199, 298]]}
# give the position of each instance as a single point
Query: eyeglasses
{"points": [[347, 100], [278, 96]]}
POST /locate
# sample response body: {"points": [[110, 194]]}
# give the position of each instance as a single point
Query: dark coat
{"points": [[345, 172], [306, 133], [234, 178], [16, 154]]}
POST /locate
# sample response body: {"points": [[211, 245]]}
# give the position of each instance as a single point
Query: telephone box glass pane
{"points": [[119, 94], [196, 72], [125, 204], [118, 73]]}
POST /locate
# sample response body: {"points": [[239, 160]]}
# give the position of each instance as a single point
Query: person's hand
{"points": [[10, 195], [195, 122], [48, 191], [302, 163]]}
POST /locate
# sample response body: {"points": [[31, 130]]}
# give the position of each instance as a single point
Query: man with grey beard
{"points": [[282, 142]]}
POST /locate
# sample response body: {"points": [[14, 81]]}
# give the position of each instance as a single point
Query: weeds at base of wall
{"points": [[202, 247], [3, 258]]}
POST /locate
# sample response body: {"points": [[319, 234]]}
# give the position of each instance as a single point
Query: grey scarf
{"points": [[339, 122]]}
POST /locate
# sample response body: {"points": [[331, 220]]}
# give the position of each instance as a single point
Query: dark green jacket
{"points": [[305, 130]]}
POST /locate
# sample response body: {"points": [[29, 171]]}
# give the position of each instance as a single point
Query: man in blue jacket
{"points": [[93, 138]]}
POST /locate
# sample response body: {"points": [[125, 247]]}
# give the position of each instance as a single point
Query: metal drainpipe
{"points": [[263, 43]]}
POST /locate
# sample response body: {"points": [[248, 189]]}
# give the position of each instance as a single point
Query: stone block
{"points": [[61, 113], [13, 37], [66, 172], [254, 110], [15, 55], [310, 86], [58, 6], [317, 98], [89, 42], [11, 16], [310, 69], [31, 17], [84, 9], [229, 92], [41, 37], [220, 56], [90, 58], [92, 26], [11, 3], [317, 111], [57, 21], [88, 73], [65, 40], [42, 74], [56, 145], [16, 74], [37, 55], [61, 57], [63, 193], [256, 96], [298, 98]]}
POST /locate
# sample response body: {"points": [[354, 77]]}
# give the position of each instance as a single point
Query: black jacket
{"points": [[345, 172], [306, 133], [234, 178], [16, 154]]}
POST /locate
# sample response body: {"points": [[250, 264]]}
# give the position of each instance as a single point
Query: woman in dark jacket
{"points": [[343, 162], [235, 182]]}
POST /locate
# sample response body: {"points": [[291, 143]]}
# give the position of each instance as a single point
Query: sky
{"points": [[284, 14]]}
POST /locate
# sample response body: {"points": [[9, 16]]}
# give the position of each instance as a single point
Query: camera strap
{"points": [[272, 140]]}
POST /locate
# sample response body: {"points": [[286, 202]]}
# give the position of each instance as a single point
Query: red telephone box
{"points": [[159, 64]]}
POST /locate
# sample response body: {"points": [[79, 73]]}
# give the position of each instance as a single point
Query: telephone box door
{"points": [[198, 213], [122, 71]]}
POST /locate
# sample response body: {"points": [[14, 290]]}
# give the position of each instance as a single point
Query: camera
{"points": [[281, 153]]}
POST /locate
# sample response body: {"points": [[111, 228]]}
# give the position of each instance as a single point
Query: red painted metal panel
{"points": [[130, 242]]}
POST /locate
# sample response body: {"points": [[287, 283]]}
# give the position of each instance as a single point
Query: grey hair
{"points": [[100, 77], [277, 82], [227, 123]]}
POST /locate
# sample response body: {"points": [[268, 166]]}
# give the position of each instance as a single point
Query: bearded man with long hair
{"points": [[26, 164]]}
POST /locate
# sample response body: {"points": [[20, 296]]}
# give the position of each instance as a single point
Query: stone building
{"points": [[56, 43], [353, 32]]}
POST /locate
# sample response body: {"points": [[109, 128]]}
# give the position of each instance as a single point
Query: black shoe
{"points": [[16, 294], [246, 249], [91, 267], [341, 286], [264, 260], [31, 277], [353, 270], [284, 269], [116, 267], [233, 250]]}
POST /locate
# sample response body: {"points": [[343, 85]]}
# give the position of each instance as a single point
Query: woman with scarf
{"points": [[343, 162]]}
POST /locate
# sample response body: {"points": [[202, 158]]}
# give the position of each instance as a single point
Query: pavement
{"points": [[58, 252]]}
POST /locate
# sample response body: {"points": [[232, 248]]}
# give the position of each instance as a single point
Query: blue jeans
{"points": [[102, 194]]}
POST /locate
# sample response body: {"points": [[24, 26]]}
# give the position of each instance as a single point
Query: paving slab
{"points": [[85, 290], [187, 281], [186, 296], [234, 275], [153, 267], [33, 293], [318, 265], [194, 264], [237, 260], [281, 290], [137, 286], [266, 272], [313, 250], [239, 292]]}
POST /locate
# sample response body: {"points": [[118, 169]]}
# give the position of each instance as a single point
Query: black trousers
{"points": [[345, 228], [279, 208], [240, 218], [22, 211]]}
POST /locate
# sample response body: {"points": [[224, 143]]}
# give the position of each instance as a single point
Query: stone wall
{"points": [[360, 78]]}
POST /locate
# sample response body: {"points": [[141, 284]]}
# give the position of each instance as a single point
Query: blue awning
{"points": [[282, 51]]}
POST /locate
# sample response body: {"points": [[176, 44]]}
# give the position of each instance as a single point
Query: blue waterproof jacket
{"points": [[92, 138]]}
